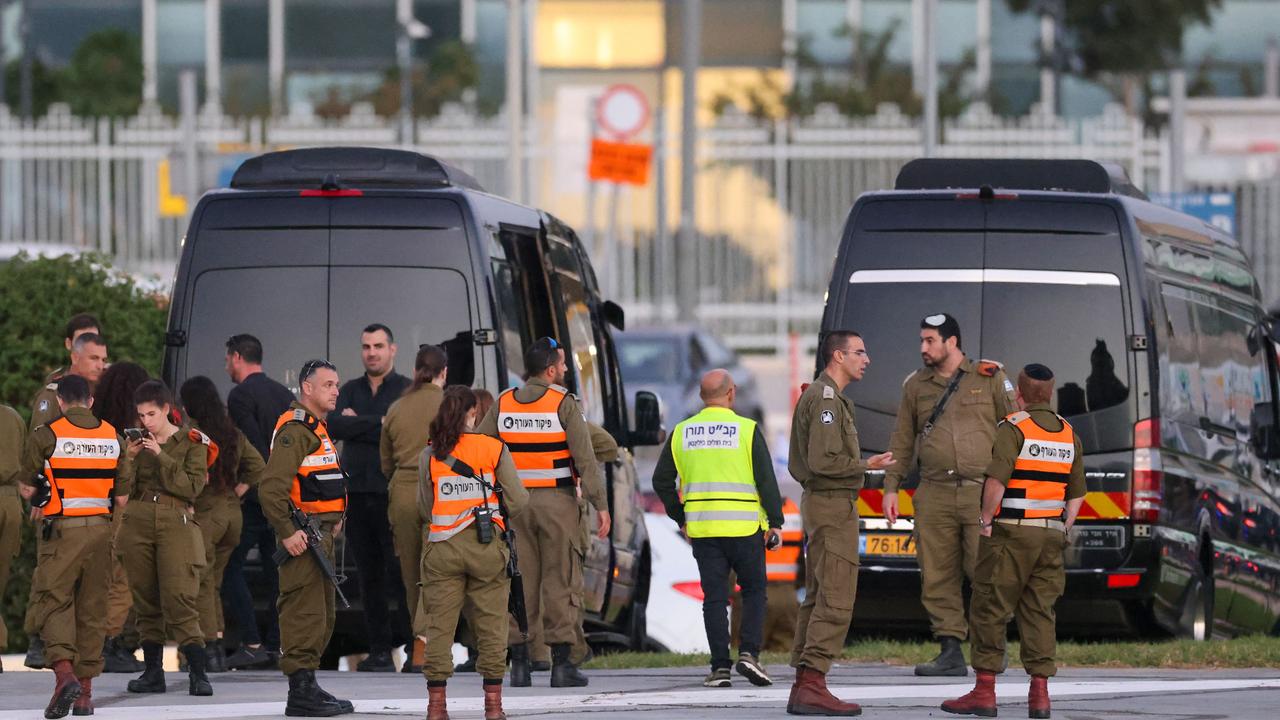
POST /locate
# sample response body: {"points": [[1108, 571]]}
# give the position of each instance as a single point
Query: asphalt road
{"points": [[676, 694]]}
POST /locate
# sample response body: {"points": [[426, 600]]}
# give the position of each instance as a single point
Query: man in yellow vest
{"points": [[303, 472], [1034, 489], [547, 434], [74, 459], [729, 507]]}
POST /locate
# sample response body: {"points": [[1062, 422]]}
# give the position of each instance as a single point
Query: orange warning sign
{"points": [[619, 162]]}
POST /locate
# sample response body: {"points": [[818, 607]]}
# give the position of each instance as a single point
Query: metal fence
{"points": [[772, 195]]}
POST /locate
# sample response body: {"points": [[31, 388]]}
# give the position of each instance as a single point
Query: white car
{"points": [[675, 592]]}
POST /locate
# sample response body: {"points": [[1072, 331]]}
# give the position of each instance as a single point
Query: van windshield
{"points": [[1072, 322]]}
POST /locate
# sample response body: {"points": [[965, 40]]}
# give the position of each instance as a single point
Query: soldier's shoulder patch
{"points": [[199, 437], [53, 386], [1018, 417], [1008, 385], [828, 392], [560, 389], [307, 419], [827, 417], [989, 368], [285, 439], [44, 405]]}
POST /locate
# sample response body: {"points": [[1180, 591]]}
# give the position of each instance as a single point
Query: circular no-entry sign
{"points": [[622, 111]]}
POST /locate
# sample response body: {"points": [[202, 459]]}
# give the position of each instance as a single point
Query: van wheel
{"points": [[638, 626], [1196, 620]]}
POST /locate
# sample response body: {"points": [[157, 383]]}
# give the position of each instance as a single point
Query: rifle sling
{"points": [[941, 404]]}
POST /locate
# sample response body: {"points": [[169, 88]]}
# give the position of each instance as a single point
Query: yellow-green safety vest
{"points": [[712, 451]]}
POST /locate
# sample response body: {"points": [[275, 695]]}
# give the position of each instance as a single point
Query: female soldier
{"points": [[159, 543], [237, 468], [464, 560], [113, 402], [404, 435]]}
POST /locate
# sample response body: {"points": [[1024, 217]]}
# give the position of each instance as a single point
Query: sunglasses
{"points": [[312, 366]]}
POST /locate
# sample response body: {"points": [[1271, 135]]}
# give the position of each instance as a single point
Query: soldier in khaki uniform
{"points": [[159, 541], [88, 360], [303, 472], [237, 467], [953, 451], [404, 434], [464, 560], [78, 457], [826, 460], [12, 440], [545, 428], [1034, 489]]}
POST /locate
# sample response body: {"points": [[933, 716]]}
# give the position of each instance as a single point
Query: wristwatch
{"points": [[982, 522]]}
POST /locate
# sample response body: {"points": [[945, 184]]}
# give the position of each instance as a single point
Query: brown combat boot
{"points": [[437, 708], [810, 696], [66, 690], [1038, 697], [84, 703], [493, 700], [981, 700]]}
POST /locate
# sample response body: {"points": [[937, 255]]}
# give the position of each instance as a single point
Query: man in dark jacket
{"points": [[255, 403], [357, 422]]}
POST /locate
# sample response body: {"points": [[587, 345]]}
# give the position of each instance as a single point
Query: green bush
{"points": [[37, 296]]}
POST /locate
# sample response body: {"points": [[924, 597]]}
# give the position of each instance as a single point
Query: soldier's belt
{"points": [[952, 478], [88, 521], [164, 500], [1051, 523], [8, 490]]}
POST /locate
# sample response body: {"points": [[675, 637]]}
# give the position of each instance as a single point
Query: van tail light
{"points": [[1117, 581], [332, 193], [1148, 472]]}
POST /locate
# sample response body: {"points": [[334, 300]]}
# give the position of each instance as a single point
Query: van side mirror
{"points": [[648, 429], [614, 314], [1264, 436]]}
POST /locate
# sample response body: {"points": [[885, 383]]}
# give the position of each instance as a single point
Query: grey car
{"points": [[669, 362]]}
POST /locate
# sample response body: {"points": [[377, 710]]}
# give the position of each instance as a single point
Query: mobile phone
{"points": [[775, 540], [134, 434]]}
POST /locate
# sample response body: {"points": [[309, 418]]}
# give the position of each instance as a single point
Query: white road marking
{"points": [[1011, 692]]}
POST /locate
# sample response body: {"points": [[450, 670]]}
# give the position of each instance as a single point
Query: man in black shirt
{"points": [[357, 422], [255, 403]]}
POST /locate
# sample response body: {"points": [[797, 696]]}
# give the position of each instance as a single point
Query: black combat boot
{"points": [[521, 675], [950, 661], [35, 653], [346, 705], [197, 664], [115, 660], [305, 699], [563, 672], [152, 678], [216, 661]]}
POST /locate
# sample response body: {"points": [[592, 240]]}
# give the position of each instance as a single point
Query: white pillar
{"points": [[1048, 81], [1177, 128], [275, 56], [982, 71], [467, 20], [930, 25], [790, 28], [213, 53], [515, 98], [917, 46], [853, 16], [1271, 69], [149, 71]]}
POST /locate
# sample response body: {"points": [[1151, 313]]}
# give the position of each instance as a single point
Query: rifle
{"points": [[315, 548], [515, 600]]}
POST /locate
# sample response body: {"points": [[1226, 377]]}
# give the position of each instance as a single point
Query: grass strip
{"points": [[1253, 651]]}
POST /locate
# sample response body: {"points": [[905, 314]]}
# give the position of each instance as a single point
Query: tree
{"points": [[451, 72], [37, 295], [105, 75], [1121, 42], [44, 87]]}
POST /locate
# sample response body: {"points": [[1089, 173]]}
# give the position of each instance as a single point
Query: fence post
{"points": [[786, 243]]}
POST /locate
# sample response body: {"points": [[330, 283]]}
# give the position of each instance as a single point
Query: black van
{"points": [[310, 246], [1153, 324]]}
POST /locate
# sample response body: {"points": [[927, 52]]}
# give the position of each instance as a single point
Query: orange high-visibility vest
{"points": [[536, 439], [781, 562], [82, 469], [454, 497], [211, 447], [319, 486], [1038, 486]]}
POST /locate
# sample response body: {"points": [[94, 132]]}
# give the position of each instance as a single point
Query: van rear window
{"points": [[1071, 321]]}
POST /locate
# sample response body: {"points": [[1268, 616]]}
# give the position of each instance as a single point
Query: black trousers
{"points": [[368, 534], [235, 589], [716, 558]]}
